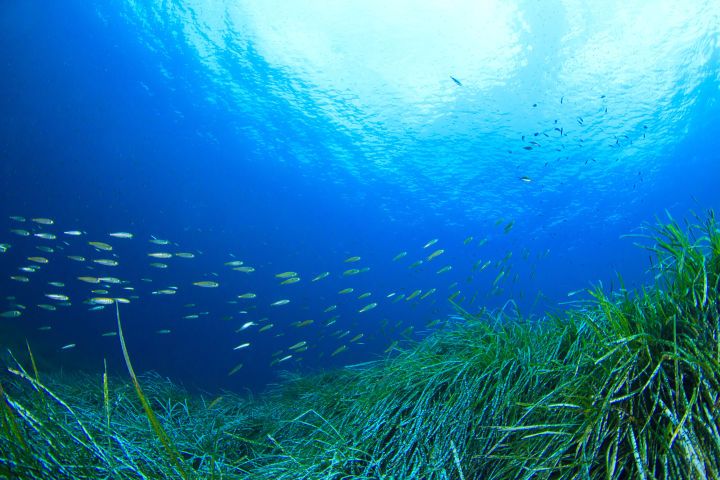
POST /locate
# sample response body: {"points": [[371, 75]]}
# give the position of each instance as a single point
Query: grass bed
{"points": [[626, 385]]}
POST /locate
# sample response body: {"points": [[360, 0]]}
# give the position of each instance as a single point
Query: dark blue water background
{"points": [[292, 135]]}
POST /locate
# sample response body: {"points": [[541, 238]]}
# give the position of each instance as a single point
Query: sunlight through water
{"points": [[421, 98]]}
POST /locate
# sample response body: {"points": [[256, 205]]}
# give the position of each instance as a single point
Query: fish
{"points": [[367, 307], [298, 345], [241, 346], [17, 218], [431, 242], [391, 346], [19, 278], [38, 259], [43, 248], [356, 337], [101, 246], [399, 256], [102, 301], [266, 327], [20, 231], [42, 221], [427, 294], [306, 322], [456, 81], [106, 261], [185, 255], [321, 276], [445, 269], [435, 254], [352, 271], [526, 179], [364, 295], [45, 236], [352, 259], [45, 328], [57, 296], [206, 284], [77, 258], [339, 350], [286, 274], [247, 295], [245, 326], [287, 357], [467, 240], [244, 269], [345, 290], [109, 280], [158, 241], [485, 265], [413, 294], [290, 280], [109, 334], [68, 346], [160, 255], [192, 316], [235, 369], [99, 291], [96, 307], [47, 307], [163, 331], [158, 265], [280, 302], [11, 314], [330, 308], [73, 233], [121, 235], [234, 263], [509, 226], [416, 264]]}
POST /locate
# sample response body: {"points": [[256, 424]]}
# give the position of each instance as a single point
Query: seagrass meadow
{"points": [[624, 385]]}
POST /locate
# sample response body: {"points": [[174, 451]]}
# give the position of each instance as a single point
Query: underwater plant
{"points": [[623, 385]]}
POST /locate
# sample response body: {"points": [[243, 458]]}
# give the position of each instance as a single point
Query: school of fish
{"points": [[89, 262]]}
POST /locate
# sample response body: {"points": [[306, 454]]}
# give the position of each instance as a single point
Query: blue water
{"points": [[294, 135]]}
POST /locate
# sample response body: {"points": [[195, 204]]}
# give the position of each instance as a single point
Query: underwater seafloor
{"points": [[624, 385]]}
